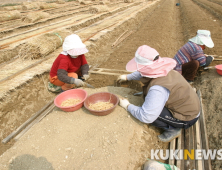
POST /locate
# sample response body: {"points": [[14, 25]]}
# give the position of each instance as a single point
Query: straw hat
{"points": [[203, 37], [73, 45]]}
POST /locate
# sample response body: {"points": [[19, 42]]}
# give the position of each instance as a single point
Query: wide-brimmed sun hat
{"points": [[203, 37], [74, 46], [148, 67]]}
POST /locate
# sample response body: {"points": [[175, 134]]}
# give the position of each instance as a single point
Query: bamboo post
{"points": [[205, 145], [172, 147], [20, 128], [200, 163], [38, 119]]}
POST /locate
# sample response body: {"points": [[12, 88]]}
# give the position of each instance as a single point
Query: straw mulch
{"points": [[98, 8], [48, 5], [30, 6], [60, 1], [33, 17], [104, 2], [10, 15], [85, 2], [128, 1], [43, 45], [11, 8], [26, 3]]}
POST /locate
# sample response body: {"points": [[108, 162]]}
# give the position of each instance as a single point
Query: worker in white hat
{"points": [[191, 56], [170, 103], [70, 68]]}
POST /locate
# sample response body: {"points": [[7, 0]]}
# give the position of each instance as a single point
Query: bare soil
{"points": [[66, 141], [80, 140]]}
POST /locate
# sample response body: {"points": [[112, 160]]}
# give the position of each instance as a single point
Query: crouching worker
{"points": [[191, 56], [70, 68], [170, 102]]}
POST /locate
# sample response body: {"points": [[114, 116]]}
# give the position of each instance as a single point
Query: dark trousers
{"points": [[166, 119], [189, 70]]}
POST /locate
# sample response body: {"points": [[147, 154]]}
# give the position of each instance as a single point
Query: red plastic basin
{"points": [[71, 94], [101, 97], [219, 69]]}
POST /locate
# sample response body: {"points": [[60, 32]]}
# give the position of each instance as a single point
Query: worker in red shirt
{"points": [[70, 68]]}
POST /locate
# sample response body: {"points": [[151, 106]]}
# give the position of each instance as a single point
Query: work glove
{"points": [[79, 82], [85, 77], [121, 78], [124, 103]]}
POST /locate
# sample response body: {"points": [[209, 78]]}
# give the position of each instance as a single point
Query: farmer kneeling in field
{"points": [[170, 102], [191, 55], [69, 65]]}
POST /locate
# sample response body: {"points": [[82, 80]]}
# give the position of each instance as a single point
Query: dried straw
{"points": [[30, 6], [98, 9], [33, 17], [104, 2], [41, 46], [25, 3], [60, 1], [128, 1], [85, 2], [48, 5], [10, 8], [10, 15]]}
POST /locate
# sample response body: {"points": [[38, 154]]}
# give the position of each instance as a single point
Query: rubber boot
{"points": [[170, 134]]}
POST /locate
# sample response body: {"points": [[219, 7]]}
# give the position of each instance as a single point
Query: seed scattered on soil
{"points": [[70, 102], [101, 106]]}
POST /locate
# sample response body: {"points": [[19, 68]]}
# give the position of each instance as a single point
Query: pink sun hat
{"points": [[148, 67], [74, 46]]}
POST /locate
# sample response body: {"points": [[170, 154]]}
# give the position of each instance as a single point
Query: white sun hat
{"points": [[203, 37], [74, 46]]}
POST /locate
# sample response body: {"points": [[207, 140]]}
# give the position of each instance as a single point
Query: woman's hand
{"points": [[121, 78]]}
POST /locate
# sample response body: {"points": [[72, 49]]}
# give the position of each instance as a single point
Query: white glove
{"points": [[79, 82], [124, 103], [121, 78], [85, 76]]}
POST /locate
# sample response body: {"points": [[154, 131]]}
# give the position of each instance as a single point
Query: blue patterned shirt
{"points": [[190, 51]]}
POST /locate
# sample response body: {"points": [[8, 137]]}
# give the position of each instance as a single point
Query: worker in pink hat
{"points": [[70, 68], [170, 102], [191, 56]]}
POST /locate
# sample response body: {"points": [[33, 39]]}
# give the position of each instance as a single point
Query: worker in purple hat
{"points": [[191, 56], [170, 102]]}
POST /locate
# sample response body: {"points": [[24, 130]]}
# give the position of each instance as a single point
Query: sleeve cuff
{"points": [[129, 108], [72, 80]]}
